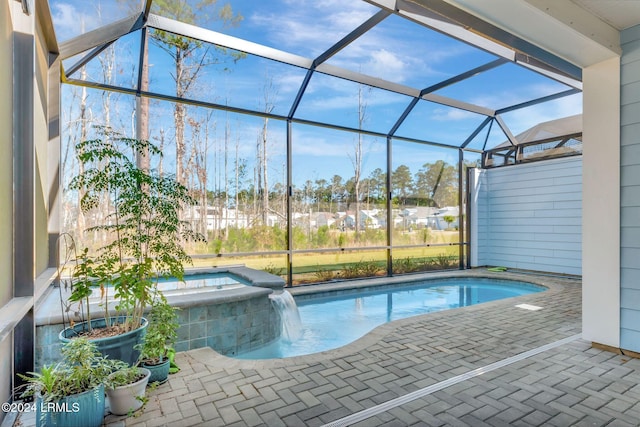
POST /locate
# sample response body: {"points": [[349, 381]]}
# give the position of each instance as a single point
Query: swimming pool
{"points": [[329, 322]]}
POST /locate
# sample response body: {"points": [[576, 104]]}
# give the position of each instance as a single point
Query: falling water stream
{"points": [[290, 317]]}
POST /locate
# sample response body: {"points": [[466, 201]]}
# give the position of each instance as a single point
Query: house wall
{"points": [[630, 190], [529, 216], [6, 185], [6, 136], [41, 145], [601, 203], [24, 181]]}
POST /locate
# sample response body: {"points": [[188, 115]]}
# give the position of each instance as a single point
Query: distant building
{"points": [[438, 221], [322, 219], [368, 219], [423, 217], [220, 219]]}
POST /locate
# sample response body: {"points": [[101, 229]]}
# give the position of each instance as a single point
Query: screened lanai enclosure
{"points": [[322, 139]]}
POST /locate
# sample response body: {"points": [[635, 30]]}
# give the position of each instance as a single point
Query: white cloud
{"points": [[313, 146], [387, 65], [452, 114], [74, 17], [332, 103], [288, 82], [396, 50], [319, 144], [521, 120], [507, 96], [393, 55], [70, 22], [312, 27], [328, 94]]}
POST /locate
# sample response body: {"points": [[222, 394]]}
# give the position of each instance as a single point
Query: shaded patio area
{"points": [[569, 384]]}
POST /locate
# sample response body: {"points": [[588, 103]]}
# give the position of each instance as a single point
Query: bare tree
{"points": [[262, 175], [240, 167], [356, 159], [75, 119], [142, 111], [107, 64], [193, 181], [161, 143], [81, 223], [227, 136], [202, 169]]}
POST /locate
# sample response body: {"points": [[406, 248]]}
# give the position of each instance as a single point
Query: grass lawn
{"points": [[332, 261]]}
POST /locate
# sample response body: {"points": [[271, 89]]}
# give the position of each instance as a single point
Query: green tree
{"points": [[322, 194], [350, 192], [402, 183], [437, 183], [337, 191], [449, 219], [377, 185], [191, 56]]}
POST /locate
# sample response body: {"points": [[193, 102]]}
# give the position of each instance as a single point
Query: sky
{"points": [[396, 49]]}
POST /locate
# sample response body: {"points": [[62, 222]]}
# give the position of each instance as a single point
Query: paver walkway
{"points": [[572, 384]]}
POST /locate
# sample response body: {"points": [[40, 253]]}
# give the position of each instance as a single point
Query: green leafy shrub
{"points": [[361, 269], [275, 270], [324, 275], [445, 261], [162, 332], [144, 227], [406, 265], [426, 235], [82, 368]]}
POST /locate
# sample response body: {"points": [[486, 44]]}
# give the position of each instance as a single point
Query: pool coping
{"points": [[260, 283], [348, 286], [255, 277], [554, 285]]}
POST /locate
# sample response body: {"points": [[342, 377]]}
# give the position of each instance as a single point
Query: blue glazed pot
{"points": [[159, 373], [78, 410], [119, 347]]}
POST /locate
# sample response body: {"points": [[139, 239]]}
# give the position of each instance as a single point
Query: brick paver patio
{"points": [[572, 384]]}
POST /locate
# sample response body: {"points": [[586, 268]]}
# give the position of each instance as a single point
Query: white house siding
{"points": [[630, 190], [529, 216]]}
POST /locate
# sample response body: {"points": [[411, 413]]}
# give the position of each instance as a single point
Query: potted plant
{"points": [[70, 393], [159, 339], [126, 388], [143, 234]]}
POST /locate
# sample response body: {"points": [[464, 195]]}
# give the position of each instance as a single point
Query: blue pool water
{"points": [[195, 283], [192, 283], [330, 322]]}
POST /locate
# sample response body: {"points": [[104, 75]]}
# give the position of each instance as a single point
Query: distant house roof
{"points": [[448, 210], [325, 215], [420, 211], [553, 128]]}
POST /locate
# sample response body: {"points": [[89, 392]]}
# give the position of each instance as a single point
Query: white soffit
{"points": [[561, 27], [620, 14]]}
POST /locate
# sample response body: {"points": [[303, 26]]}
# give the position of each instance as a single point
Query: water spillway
{"points": [[290, 321]]}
